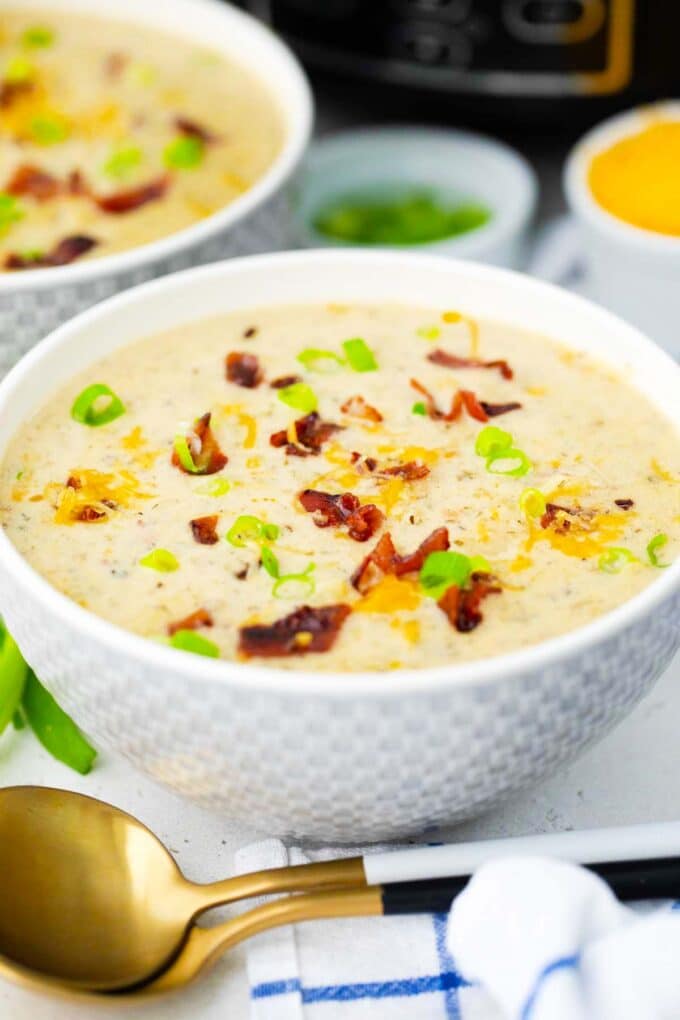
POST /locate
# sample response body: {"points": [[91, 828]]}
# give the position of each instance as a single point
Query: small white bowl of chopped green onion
{"points": [[442, 191]]}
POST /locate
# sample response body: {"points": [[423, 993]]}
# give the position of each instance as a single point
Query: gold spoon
{"points": [[92, 903]]}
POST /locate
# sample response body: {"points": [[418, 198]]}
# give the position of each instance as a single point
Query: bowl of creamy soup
{"points": [[349, 543], [136, 138]]}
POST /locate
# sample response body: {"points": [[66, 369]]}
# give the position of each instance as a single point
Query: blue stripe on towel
{"points": [[446, 966], [563, 963], [429, 984]]}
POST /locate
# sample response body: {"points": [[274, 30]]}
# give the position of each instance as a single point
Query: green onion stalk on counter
{"points": [[406, 217], [24, 700]]}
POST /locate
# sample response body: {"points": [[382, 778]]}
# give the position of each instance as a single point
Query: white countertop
{"points": [[631, 776]]}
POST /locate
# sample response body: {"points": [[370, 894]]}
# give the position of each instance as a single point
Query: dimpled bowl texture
{"points": [[34, 302], [356, 756]]}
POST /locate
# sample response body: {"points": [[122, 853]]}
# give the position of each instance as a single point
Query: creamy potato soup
{"points": [[346, 488], [112, 135]]}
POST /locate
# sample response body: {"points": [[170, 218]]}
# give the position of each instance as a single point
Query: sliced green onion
{"points": [[49, 130], [141, 74], [11, 211], [37, 37], [512, 462], [429, 332], [18, 70], [443, 569], [122, 161], [479, 565], [215, 487], [316, 360], [18, 721], [359, 355], [251, 529], [86, 411], [161, 560], [299, 396], [491, 441], [13, 672], [190, 641], [614, 559], [181, 447], [184, 153], [532, 503], [295, 586], [658, 542], [55, 730], [419, 408], [270, 562]]}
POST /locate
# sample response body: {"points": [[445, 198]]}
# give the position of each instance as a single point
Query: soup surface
{"points": [[113, 136], [377, 487]]}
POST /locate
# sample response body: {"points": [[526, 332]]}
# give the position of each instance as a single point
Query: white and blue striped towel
{"points": [[532, 939]]}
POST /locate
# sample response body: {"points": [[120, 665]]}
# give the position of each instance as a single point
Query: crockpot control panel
{"points": [[520, 47]]}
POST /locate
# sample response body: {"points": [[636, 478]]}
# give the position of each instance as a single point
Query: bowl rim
{"points": [[297, 133], [580, 197], [334, 685], [515, 208]]}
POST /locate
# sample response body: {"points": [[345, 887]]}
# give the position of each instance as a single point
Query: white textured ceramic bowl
{"points": [[33, 302], [353, 756], [454, 164], [633, 272]]}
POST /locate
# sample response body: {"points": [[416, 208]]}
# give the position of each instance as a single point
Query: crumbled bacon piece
{"points": [[89, 513], [384, 559], [188, 127], [134, 198], [115, 64], [624, 504], [243, 369], [440, 357], [11, 90], [493, 410], [31, 180], [204, 449], [284, 380], [311, 433], [204, 529], [63, 253], [357, 407], [342, 510], [304, 630], [195, 620], [410, 471], [461, 399], [552, 510], [462, 606]]}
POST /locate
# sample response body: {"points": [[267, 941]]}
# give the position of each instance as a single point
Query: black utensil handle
{"points": [[628, 880]]}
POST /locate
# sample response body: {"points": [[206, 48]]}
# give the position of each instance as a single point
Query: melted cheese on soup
{"points": [[376, 488], [116, 135]]}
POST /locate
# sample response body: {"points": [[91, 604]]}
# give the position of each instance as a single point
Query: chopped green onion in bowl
{"points": [[407, 217], [215, 487], [270, 562], [429, 332], [316, 360], [11, 211], [190, 641], [251, 529], [532, 503], [359, 355], [123, 161], [658, 542], [37, 37], [502, 458], [49, 129], [18, 71], [295, 586], [161, 560], [491, 441], [419, 408], [441, 570], [299, 396], [184, 153], [97, 405], [614, 559]]}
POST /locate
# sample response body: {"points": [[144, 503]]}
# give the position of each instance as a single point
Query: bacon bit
{"points": [[551, 512], [345, 509], [493, 410], [357, 407], [115, 64], [204, 529], [410, 471], [461, 399], [625, 504], [73, 482], [193, 130], [250, 332], [462, 606], [89, 513], [65, 252], [200, 618], [304, 630], [243, 369], [311, 433], [208, 458], [285, 380], [440, 357], [31, 180], [11, 90], [127, 201], [384, 559]]}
